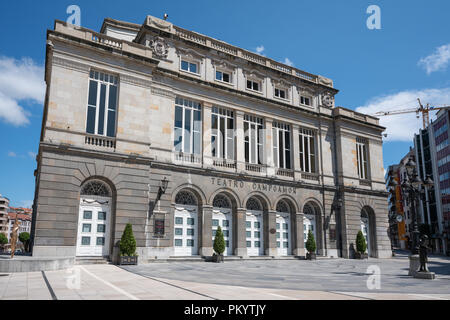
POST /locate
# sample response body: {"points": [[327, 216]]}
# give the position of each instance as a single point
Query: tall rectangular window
{"points": [[102, 104], [253, 139], [281, 137], [222, 135], [189, 66], [362, 157], [187, 128], [307, 150]]}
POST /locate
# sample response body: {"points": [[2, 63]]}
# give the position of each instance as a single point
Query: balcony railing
{"points": [[187, 158], [285, 172], [310, 176], [224, 163], [255, 168], [365, 183], [100, 141]]}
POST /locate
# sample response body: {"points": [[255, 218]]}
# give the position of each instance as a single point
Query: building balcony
{"points": [[187, 158], [100, 141], [219, 163], [259, 168], [288, 173]]}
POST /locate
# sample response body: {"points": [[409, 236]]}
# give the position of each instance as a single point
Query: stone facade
{"points": [[133, 162]]}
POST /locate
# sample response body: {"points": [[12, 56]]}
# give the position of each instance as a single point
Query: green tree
{"points": [[361, 245], [311, 242], [24, 237], [219, 242], [127, 243], [3, 240]]}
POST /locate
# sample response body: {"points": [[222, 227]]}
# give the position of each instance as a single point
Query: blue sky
{"points": [[374, 70]]}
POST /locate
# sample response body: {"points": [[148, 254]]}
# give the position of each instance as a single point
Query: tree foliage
{"points": [[3, 239], [127, 243], [361, 244], [311, 242], [219, 242]]}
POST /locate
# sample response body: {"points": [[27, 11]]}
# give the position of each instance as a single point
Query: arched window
{"points": [[282, 206], [221, 201], [254, 204], [95, 188], [309, 209], [186, 198]]}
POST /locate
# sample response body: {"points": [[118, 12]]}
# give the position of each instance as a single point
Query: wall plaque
{"points": [[273, 231], [332, 233]]}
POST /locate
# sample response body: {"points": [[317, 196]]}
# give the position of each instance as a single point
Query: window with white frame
{"points": [[253, 139], [306, 101], [281, 136], [188, 123], [102, 104], [223, 76], [281, 93], [190, 66], [253, 84], [307, 148], [222, 135], [362, 158]]}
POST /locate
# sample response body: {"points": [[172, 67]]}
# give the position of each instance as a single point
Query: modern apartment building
{"points": [[24, 215], [242, 142], [4, 205]]}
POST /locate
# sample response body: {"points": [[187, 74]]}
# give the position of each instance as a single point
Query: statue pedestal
{"points": [[414, 264], [425, 275]]}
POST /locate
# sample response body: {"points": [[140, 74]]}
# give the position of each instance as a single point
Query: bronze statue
{"points": [[14, 234], [423, 253]]}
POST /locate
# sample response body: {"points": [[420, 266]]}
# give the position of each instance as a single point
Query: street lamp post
{"points": [[412, 187]]}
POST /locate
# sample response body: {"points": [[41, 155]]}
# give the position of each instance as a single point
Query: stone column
{"points": [[299, 242], [295, 152], [268, 147], [270, 239], [205, 232], [240, 142], [239, 237], [207, 160]]}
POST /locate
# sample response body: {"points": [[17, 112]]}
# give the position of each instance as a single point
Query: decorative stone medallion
{"points": [[159, 47], [327, 100]]}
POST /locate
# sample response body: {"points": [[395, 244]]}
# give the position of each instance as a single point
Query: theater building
{"points": [[178, 133]]}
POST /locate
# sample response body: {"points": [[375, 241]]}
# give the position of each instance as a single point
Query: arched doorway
{"points": [[310, 222], [223, 216], [185, 224], [283, 227], [254, 227], [94, 220]]}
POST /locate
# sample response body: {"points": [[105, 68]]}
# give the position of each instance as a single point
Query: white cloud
{"points": [[403, 126], [32, 155], [439, 60], [12, 154], [288, 62], [26, 203], [260, 49], [20, 80]]}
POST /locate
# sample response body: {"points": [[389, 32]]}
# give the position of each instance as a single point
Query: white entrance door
{"points": [[365, 231], [283, 234], [254, 233], [309, 223], [93, 227], [185, 233], [223, 217]]}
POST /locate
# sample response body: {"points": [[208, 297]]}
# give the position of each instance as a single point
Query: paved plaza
{"points": [[323, 279]]}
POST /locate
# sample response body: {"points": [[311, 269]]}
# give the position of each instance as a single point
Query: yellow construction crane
{"points": [[421, 109]]}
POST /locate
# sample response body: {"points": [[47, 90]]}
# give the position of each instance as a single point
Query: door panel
{"points": [[223, 218], [283, 234], [254, 233], [185, 231]]}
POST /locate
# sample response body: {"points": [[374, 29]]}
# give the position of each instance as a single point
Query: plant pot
{"points": [[311, 256], [217, 258], [359, 255], [128, 260]]}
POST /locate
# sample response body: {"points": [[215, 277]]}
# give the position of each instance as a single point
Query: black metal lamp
{"points": [[162, 189], [163, 185], [428, 182]]}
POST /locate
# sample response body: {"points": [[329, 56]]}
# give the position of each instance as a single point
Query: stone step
{"points": [[91, 260]]}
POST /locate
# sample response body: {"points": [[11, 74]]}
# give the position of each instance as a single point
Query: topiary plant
{"points": [[219, 242], [127, 243], [24, 237], [361, 245], [311, 242]]}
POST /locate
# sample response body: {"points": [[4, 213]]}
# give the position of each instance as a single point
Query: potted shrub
{"points": [[24, 237], [127, 246], [311, 246], [218, 246], [361, 246]]}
